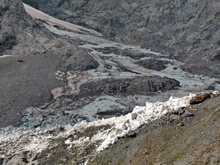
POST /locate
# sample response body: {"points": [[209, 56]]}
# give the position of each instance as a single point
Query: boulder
{"points": [[199, 98]]}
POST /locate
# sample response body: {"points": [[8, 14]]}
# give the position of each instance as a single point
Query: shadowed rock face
{"points": [[7, 39], [184, 29], [18, 30]]}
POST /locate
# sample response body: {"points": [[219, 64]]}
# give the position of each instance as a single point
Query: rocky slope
{"points": [[184, 29], [180, 139], [29, 58], [187, 135], [121, 80], [54, 64], [58, 79], [47, 57]]}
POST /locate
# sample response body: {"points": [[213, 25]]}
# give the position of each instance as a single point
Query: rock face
{"points": [[136, 86], [153, 64], [147, 85], [18, 30], [8, 39], [184, 29]]}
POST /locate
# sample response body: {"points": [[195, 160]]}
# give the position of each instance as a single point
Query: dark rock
{"points": [[187, 114], [210, 87], [80, 60], [109, 50], [112, 113], [199, 98], [7, 41], [181, 124], [20, 60], [148, 85], [217, 56], [107, 86], [131, 135], [153, 64], [139, 85], [1, 160]]}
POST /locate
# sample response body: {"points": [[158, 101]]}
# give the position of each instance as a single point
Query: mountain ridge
{"points": [[185, 30]]}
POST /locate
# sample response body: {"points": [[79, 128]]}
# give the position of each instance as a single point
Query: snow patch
{"points": [[37, 145]]}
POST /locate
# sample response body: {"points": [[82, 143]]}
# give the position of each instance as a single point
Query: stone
{"points": [[149, 85], [187, 114], [34, 163], [80, 60], [199, 98], [1, 160], [131, 135], [134, 116], [57, 92], [153, 64], [174, 117]]}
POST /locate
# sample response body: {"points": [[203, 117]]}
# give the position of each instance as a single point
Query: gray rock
{"points": [[187, 114], [149, 85], [80, 60], [153, 64], [1, 160], [23, 158], [131, 135], [139, 85]]}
